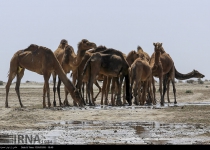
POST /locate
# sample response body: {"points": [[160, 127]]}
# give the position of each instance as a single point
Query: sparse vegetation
{"points": [[188, 91], [190, 81], [200, 81], [1, 82], [180, 81]]}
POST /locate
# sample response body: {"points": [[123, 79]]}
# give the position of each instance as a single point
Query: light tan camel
{"points": [[141, 74], [84, 78], [41, 60], [141, 51], [59, 52], [109, 62], [69, 62], [162, 64]]}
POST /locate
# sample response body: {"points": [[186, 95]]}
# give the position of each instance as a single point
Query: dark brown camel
{"points": [[109, 62], [69, 62], [84, 78], [41, 60], [179, 76]]}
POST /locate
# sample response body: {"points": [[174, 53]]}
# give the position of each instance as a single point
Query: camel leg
{"points": [[143, 97], [44, 94], [65, 102], [154, 89], [174, 90], [150, 92], [112, 91], [84, 92], [11, 77], [160, 90], [88, 89], [54, 88], [47, 88], [118, 102], [168, 87], [165, 79], [92, 95], [17, 87], [135, 93], [107, 90], [124, 99], [103, 89], [96, 83], [58, 90]]}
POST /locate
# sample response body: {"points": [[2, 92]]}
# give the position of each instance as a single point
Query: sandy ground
{"points": [[138, 124]]}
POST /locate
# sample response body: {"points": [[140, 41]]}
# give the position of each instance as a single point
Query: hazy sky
{"points": [[183, 26]]}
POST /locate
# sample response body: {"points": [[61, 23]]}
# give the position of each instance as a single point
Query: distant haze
{"points": [[183, 26]]}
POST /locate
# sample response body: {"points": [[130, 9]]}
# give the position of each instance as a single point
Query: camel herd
{"points": [[130, 75]]}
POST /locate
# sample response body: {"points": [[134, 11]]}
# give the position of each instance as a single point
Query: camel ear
{"points": [[161, 44], [154, 44]]}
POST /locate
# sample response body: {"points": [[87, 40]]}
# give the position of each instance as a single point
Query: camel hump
{"points": [[95, 57]]}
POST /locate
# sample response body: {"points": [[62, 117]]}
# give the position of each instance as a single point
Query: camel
{"points": [[162, 64], [141, 51], [41, 60], [109, 62], [141, 74], [69, 62], [179, 76], [84, 78]]}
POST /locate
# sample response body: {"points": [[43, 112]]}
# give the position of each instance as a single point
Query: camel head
{"points": [[68, 52], [85, 45], [63, 43], [139, 49], [197, 74], [132, 56], [157, 46], [78, 98]]}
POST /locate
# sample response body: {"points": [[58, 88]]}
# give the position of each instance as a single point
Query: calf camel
{"points": [[141, 73], [41, 60], [146, 55], [109, 62], [69, 62], [162, 64]]}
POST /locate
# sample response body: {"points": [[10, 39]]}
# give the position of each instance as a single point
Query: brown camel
{"points": [[162, 64], [41, 60], [69, 62], [109, 62], [141, 74], [84, 78]]}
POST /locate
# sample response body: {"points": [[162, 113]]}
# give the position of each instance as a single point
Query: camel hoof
{"points": [[54, 104], [175, 102]]}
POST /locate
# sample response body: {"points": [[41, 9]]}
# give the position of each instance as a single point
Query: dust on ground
{"points": [[188, 122]]}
